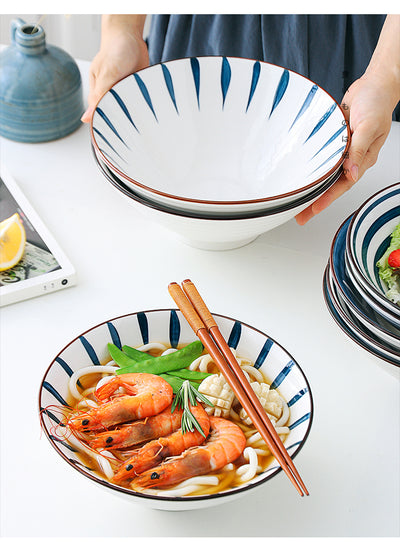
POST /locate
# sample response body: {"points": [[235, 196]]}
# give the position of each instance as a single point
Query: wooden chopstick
{"points": [[203, 324]]}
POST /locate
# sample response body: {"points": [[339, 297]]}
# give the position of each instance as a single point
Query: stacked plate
{"points": [[219, 149], [354, 292]]}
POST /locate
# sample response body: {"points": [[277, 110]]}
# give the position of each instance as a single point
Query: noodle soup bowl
{"points": [[169, 327]]}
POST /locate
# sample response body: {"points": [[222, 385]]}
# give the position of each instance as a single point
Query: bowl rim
{"points": [[161, 498], [119, 185], [346, 328], [383, 349], [225, 202], [388, 315], [368, 286]]}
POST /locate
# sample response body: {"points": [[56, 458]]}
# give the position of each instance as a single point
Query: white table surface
{"points": [[350, 462]]}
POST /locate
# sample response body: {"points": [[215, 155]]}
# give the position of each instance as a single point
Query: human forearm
{"points": [[132, 24], [122, 52], [385, 61]]}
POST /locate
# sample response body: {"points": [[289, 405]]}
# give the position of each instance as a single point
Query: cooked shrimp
{"points": [[125, 398], [152, 453], [224, 445], [124, 436]]}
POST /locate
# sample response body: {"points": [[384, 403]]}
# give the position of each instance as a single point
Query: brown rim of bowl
{"points": [[161, 498], [119, 185], [224, 202]]}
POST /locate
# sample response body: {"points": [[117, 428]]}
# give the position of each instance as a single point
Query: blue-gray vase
{"points": [[40, 88]]}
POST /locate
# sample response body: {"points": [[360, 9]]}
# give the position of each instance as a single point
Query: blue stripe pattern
{"points": [[174, 329], [114, 335], [169, 84], [194, 63], [122, 105], [280, 91], [47, 386], [52, 417], [296, 397], [369, 209], [321, 121], [225, 79], [69, 447], [234, 336], [254, 81], [107, 142], [330, 158], [299, 421], [332, 138], [263, 353], [306, 104], [375, 226], [64, 365], [110, 124], [90, 350], [144, 326], [145, 93], [282, 375]]}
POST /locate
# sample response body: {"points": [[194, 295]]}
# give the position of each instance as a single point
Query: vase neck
{"points": [[29, 39]]}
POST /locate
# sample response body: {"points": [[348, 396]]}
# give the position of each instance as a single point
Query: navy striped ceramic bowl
{"points": [[220, 134], [368, 238], [358, 302], [168, 326], [351, 327]]}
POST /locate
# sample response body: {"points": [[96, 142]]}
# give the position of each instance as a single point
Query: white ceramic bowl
{"points": [[220, 135], [169, 326], [223, 232], [368, 237]]}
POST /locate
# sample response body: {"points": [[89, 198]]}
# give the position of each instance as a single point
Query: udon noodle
{"points": [[255, 457]]}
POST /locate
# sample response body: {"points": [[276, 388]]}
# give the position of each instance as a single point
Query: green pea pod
{"points": [[187, 374], [163, 364], [136, 355], [122, 359]]}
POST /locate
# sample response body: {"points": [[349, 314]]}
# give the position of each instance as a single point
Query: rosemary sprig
{"points": [[185, 395]]}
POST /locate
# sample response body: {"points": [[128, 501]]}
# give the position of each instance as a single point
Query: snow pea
{"points": [[159, 364]]}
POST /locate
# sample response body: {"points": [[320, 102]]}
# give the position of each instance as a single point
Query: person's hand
{"points": [[367, 107], [122, 52]]}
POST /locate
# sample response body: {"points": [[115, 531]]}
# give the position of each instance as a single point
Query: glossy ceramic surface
{"points": [[213, 232], [40, 88], [218, 134], [344, 284], [169, 326], [352, 328], [368, 238]]}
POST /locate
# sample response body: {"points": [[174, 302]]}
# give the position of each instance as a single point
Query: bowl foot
{"points": [[217, 245]]}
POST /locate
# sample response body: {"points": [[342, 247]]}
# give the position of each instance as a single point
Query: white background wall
{"points": [[79, 35]]}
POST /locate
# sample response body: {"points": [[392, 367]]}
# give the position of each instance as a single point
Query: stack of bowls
{"points": [[218, 149], [353, 290]]}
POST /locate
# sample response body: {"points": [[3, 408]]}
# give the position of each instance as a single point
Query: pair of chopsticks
{"points": [[203, 324]]}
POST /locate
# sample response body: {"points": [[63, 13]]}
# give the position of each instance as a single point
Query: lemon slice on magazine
{"points": [[12, 241]]}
